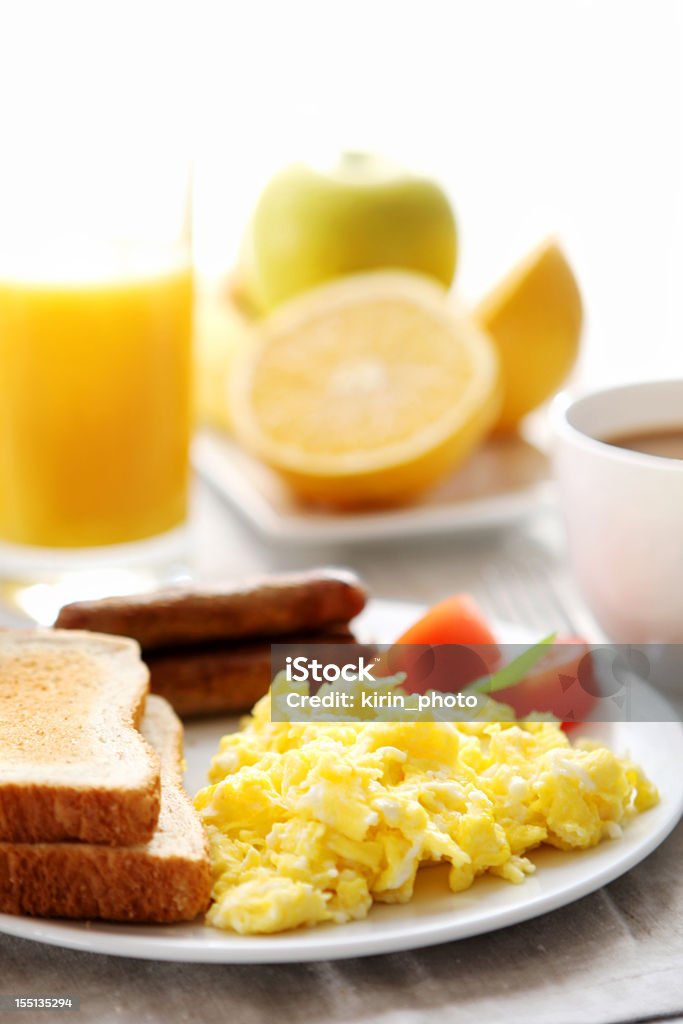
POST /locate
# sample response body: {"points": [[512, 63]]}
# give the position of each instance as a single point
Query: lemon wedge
{"points": [[366, 390], [534, 317]]}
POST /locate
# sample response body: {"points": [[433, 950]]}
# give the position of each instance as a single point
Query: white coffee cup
{"points": [[624, 509]]}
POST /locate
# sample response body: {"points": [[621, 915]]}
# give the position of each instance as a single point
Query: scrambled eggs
{"points": [[311, 821]]}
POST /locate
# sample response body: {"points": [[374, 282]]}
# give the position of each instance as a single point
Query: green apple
{"points": [[311, 225]]}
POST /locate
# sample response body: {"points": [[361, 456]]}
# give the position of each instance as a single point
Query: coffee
{"points": [[666, 442]]}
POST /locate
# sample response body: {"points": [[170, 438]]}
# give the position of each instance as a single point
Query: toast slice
{"points": [[72, 762], [167, 879]]}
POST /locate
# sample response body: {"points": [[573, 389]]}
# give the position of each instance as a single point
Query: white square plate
{"points": [[504, 480]]}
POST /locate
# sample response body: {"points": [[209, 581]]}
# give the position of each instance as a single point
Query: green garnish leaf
{"points": [[512, 673]]}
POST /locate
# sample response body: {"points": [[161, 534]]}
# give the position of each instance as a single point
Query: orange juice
{"points": [[94, 408]]}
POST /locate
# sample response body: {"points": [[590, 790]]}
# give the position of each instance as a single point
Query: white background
{"points": [[539, 116]]}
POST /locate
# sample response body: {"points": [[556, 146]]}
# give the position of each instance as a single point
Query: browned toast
{"points": [[72, 762], [164, 880]]}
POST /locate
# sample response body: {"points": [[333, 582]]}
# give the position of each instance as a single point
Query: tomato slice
{"points": [[453, 644], [456, 620], [562, 682], [449, 647]]}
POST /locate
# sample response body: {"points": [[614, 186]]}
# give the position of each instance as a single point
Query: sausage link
{"points": [[269, 607], [226, 679]]}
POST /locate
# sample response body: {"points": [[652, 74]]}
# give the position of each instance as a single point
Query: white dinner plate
{"points": [[435, 914], [502, 482]]}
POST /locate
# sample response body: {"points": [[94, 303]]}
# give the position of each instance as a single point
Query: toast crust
{"points": [[165, 880], [34, 813], [100, 883], [72, 763]]}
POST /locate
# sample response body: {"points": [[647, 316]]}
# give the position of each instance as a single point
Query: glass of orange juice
{"points": [[96, 304]]}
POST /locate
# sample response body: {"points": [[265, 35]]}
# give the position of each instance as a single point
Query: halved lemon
{"points": [[534, 317], [366, 390], [221, 329]]}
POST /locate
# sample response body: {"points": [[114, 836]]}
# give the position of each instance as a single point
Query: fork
{"points": [[522, 586]]}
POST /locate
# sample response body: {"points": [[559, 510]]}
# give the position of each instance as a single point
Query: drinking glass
{"points": [[96, 300]]}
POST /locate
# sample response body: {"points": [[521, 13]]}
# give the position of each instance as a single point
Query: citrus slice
{"points": [[221, 329], [534, 317], [366, 390]]}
